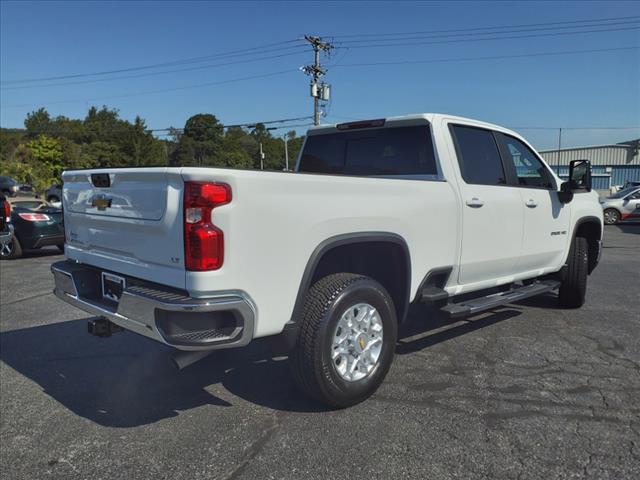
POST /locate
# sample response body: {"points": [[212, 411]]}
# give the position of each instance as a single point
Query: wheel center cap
{"points": [[361, 341]]}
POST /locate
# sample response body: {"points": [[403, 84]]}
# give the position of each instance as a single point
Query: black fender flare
{"points": [[582, 221], [346, 239]]}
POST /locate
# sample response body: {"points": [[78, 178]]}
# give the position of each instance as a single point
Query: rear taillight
{"points": [[6, 210], [34, 217], [203, 241]]}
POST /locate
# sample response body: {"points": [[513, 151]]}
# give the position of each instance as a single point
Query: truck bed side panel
{"points": [[276, 220]]}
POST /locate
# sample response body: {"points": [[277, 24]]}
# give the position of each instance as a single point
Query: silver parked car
{"points": [[622, 205]]}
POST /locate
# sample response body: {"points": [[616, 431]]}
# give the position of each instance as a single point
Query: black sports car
{"points": [[36, 224]]}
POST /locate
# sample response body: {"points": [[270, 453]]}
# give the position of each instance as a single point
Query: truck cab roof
{"points": [[404, 120]]}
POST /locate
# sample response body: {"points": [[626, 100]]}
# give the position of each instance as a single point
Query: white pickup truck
{"points": [[379, 214]]}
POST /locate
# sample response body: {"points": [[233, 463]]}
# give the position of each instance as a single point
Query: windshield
{"points": [[623, 193]]}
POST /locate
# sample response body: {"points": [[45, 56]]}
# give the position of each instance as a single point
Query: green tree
{"points": [[201, 142], [37, 123], [10, 138], [47, 157]]}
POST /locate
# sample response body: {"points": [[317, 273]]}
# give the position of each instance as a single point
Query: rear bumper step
{"points": [[165, 315], [477, 305]]}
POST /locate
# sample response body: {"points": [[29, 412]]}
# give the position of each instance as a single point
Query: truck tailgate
{"points": [[133, 225]]}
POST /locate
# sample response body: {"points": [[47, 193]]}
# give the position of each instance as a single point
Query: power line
{"points": [[494, 57], [200, 67], [248, 124], [476, 29], [511, 37], [480, 34], [233, 53], [152, 92]]}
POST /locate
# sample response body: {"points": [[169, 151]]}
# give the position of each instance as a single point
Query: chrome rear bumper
{"points": [[225, 320]]}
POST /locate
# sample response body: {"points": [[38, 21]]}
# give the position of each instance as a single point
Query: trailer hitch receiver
{"points": [[103, 328]]}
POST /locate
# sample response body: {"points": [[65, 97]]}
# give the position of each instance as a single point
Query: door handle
{"points": [[531, 203], [475, 202]]}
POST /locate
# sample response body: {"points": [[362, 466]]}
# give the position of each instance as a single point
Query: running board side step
{"points": [[477, 305]]}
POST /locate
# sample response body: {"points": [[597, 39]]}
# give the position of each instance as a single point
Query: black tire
{"points": [[611, 216], [574, 280], [12, 250], [313, 369]]}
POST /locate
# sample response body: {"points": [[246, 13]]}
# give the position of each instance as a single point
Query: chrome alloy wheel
{"points": [[611, 217], [357, 342], [7, 249]]}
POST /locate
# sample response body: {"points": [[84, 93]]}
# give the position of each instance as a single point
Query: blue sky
{"points": [[597, 89]]}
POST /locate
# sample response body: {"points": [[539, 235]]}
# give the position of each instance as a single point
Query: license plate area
{"points": [[112, 286]]}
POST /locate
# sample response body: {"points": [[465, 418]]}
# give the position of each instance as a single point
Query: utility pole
{"points": [[261, 158], [559, 144], [319, 91], [286, 154]]}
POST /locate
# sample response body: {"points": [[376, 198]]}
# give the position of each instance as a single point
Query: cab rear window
{"points": [[371, 152]]}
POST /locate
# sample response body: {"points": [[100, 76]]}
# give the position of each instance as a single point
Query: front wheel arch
{"points": [[590, 228]]}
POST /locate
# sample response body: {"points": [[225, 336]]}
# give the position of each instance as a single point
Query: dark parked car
{"points": [[36, 224], [8, 186], [53, 193]]}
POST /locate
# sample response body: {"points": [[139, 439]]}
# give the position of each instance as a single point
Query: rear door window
{"points": [[478, 156], [394, 151]]}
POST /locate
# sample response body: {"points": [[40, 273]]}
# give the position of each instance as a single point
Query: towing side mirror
{"points": [[580, 175], [579, 180]]}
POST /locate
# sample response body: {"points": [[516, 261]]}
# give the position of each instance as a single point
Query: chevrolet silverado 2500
{"points": [[379, 214]]}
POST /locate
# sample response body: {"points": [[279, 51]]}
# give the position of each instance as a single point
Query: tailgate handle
{"points": [[101, 180]]}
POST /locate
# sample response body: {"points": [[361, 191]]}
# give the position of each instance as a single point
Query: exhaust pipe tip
{"points": [[182, 359]]}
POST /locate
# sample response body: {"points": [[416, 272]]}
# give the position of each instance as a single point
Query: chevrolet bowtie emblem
{"points": [[101, 203]]}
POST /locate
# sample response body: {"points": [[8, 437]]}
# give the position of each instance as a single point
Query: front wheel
{"points": [[574, 279], [346, 340], [611, 216]]}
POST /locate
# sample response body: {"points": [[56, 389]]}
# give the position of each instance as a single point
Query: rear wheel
{"points": [[12, 249], [611, 216], [574, 279], [346, 340]]}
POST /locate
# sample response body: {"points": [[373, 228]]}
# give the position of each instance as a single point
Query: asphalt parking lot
{"points": [[528, 391]]}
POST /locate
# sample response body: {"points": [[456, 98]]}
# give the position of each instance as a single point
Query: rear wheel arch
{"points": [[382, 256]]}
